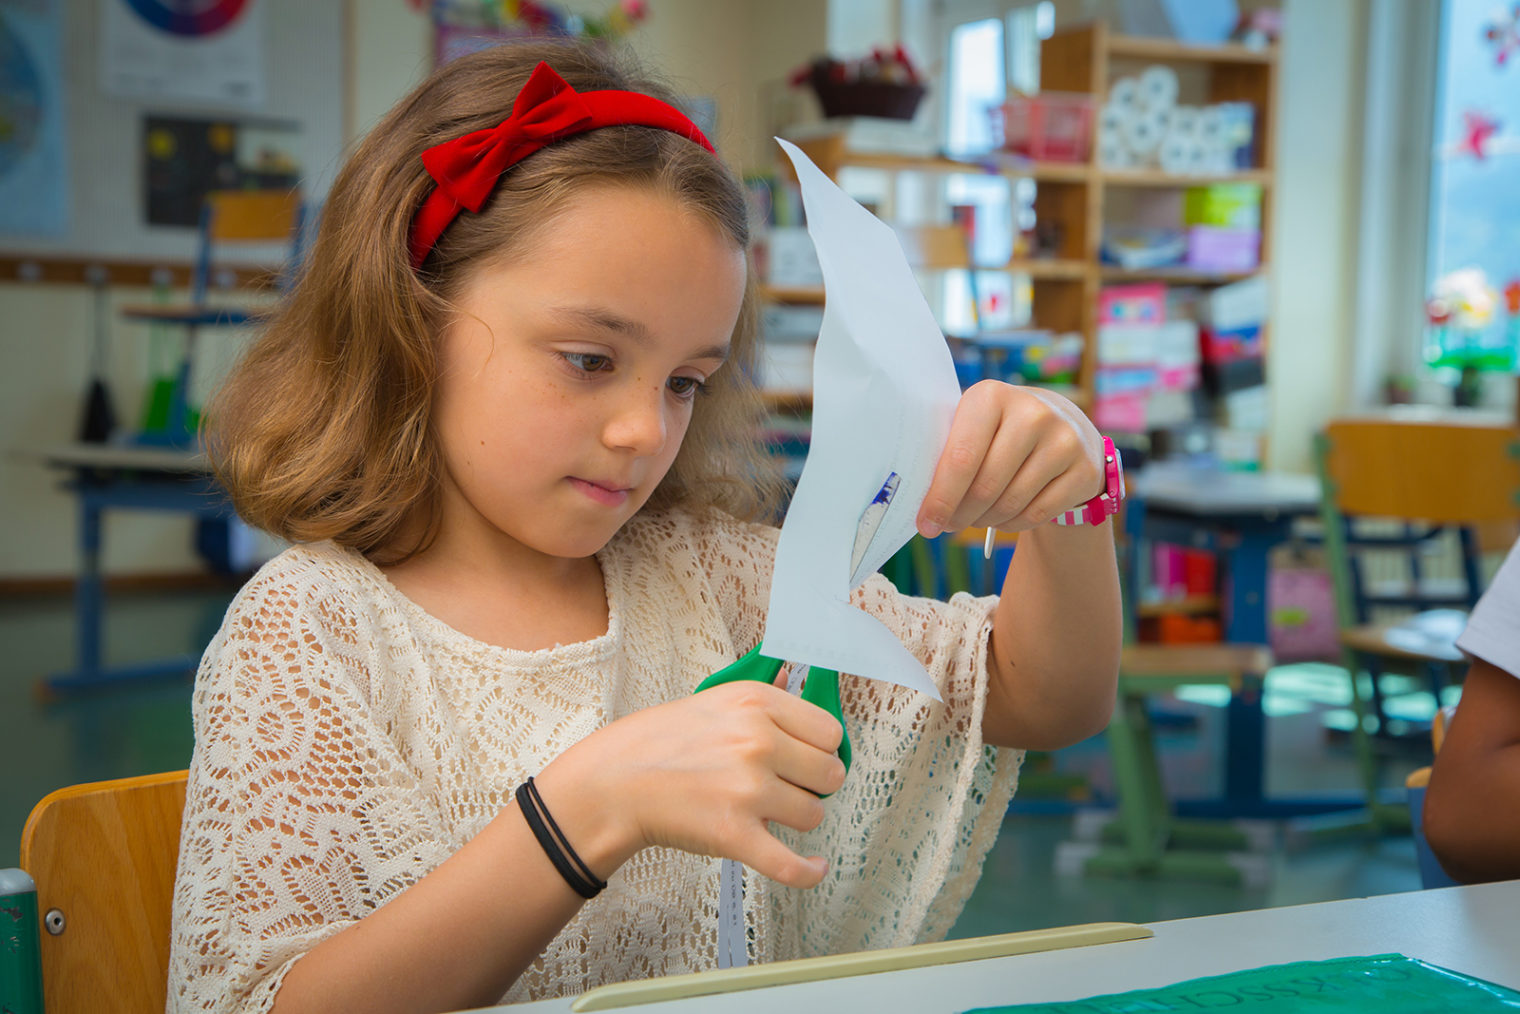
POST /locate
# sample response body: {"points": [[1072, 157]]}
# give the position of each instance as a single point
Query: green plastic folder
{"points": [[1384, 983]]}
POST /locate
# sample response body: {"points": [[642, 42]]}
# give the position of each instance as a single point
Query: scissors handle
{"points": [[820, 689]]}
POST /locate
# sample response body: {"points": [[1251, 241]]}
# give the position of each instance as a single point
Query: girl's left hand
{"points": [[1016, 457]]}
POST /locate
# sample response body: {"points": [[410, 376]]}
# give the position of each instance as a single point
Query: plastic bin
{"points": [[1048, 127]]}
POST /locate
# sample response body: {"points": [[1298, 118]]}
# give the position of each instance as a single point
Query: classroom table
{"points": [[1474, 930], [122, 477], [1240, 516]]}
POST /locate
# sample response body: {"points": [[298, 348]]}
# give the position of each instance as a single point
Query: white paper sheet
{"points": [[884, 393]]}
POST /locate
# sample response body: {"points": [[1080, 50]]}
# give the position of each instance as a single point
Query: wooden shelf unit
{"points": [[1083, 59]]}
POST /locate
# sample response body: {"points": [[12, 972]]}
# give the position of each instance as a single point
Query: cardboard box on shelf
{"points": [[1212, 248], [790, 258], [1225, 205]]}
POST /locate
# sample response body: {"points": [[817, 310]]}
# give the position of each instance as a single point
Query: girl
{"points": [[506, 419]]}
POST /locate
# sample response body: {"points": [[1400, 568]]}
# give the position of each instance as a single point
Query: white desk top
{"points": [[1474, 930], [1213, 491], [135, 457]]}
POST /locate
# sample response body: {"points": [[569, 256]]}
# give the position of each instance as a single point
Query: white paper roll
{"points": [[1217, 158], [1142, 132], [1113, 153], [1184, 121], [1211, 125], [1175, 153], [1111, 118], [1158, 87], [1198, 157], [1125, 93]]}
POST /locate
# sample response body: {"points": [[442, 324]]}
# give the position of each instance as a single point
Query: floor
{"points": [[134, 731]]}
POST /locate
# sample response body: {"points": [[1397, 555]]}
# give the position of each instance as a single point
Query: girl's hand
{"points": [[1016, 457], [705, 773]]}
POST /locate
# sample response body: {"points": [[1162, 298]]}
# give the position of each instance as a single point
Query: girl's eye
{"points": [[686, 387], [587, 362]]}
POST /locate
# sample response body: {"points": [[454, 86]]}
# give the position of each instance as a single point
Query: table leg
{"points": [[88, 590]]}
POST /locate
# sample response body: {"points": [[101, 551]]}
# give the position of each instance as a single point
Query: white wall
{"points": [[1314, 221]]}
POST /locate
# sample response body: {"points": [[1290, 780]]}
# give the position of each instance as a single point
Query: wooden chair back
{"points": [[1442, 470], [103, 856], [251, 216]]}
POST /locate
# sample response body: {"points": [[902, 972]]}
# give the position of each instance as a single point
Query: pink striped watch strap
{"points": [[1106, 503]]}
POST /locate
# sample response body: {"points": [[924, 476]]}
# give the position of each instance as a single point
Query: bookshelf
{"points": [[1078, 196]]}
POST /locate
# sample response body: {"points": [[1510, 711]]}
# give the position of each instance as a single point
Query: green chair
{"points": [[1396, 473], [1147, 838]]}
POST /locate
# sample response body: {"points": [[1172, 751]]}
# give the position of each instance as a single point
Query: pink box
{"points": [[1120, 413], [1211, 248], [1132, 304]]}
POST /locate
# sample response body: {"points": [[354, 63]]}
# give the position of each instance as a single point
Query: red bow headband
{"points": [[547, 109]]}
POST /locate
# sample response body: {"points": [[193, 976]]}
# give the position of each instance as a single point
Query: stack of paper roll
{"points": [[1141, 126]]}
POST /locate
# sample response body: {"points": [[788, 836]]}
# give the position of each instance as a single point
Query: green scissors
{"points": [[821, 688]]}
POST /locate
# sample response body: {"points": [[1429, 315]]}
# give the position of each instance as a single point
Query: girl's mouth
{"points": [[609, 495]]}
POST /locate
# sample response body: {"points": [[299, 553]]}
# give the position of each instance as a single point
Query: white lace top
{"points": [[347, 743]]}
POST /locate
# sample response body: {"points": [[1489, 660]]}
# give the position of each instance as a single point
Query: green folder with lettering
{"points": [[1382, 983]]}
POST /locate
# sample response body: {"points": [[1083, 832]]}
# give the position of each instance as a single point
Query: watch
{"points": [[1106, 503]]}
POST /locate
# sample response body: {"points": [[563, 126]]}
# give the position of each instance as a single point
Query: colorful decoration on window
{"points": [[1503, 33]]}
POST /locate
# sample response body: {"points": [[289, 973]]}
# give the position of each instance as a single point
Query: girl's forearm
{"points": [[461, 935], [1056, 639]]}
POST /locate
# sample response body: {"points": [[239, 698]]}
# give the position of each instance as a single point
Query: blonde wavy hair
{"points": [[322, 430]]}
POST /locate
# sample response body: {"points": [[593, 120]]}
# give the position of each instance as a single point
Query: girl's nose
{"points": [[638, 423]]}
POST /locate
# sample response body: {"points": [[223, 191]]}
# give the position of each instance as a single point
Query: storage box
{"points": [[1211, 248], [786, 366], [791, 258], [1237, 306], [1132, 304], [1049, 127], [1226, 205]]}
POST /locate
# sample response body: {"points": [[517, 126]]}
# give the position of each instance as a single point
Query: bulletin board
{"points": [[109, 137]]}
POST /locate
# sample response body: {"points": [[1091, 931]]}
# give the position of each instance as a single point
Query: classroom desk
{"points": [[1473, 930], [122, 477], [1240, 516]]}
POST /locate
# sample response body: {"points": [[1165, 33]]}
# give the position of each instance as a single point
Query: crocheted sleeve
{"points": [[925, 797], [300, 816]]}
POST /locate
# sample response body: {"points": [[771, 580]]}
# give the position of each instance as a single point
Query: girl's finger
{"points": [[1058, 456], [1006, 459], [792, 807], [807, 722], [761, 852], [976, 421], [1066, 493], [808, 767]]}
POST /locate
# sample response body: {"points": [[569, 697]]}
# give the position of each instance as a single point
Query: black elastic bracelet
{"points": [[563, 842], [555, 845]]}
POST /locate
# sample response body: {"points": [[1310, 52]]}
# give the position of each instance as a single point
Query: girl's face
{"points": [[568, 375]]}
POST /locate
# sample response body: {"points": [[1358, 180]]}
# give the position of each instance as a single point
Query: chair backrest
{"points": [[246, 216], [1442, 469], [103, 857]]}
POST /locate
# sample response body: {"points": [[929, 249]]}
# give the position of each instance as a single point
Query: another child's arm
{"points": [[1015, 458], [1472, 807]]}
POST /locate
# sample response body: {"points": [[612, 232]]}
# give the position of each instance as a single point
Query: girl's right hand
{"points": [[703, 774]]}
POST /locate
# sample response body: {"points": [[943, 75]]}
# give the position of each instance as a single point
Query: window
{"points": [[1474, 199], [990, 47]]}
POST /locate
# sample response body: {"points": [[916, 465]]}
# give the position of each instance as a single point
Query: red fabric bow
{"points": [[547, 109]]}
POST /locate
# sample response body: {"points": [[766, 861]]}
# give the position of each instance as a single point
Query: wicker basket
{"points": [[866, 98]]}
